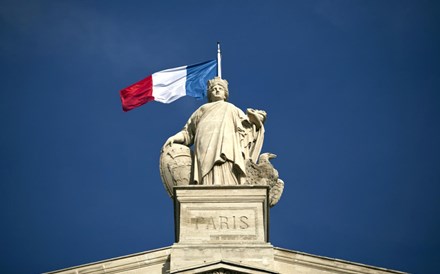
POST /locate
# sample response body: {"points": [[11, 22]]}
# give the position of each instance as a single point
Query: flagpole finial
{"points": [[219, 61]]}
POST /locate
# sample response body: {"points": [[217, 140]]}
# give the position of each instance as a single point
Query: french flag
{"points": [[166, 86]]}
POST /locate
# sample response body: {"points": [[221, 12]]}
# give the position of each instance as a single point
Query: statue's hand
{"points": [[169, 141], [178, 138]]}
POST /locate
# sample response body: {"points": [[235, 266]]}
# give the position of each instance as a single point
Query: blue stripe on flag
{"points": [[197, 77]]}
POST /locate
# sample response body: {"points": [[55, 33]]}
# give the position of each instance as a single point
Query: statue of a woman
{"points": [[224, 138]]}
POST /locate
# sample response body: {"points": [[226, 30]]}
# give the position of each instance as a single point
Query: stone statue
{"points": [[226, 143], [264, 173]]}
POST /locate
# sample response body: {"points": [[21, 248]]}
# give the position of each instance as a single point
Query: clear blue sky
{"points": [[352, 92]]}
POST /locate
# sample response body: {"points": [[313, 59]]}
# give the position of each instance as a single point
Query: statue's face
{"points": [[218, 93]]}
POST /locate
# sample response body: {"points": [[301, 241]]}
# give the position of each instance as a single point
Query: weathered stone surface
{"points": [[218, 215], [175, 166], [226, 143], [264, 174], [221, 223], [259, 256], [223, 136]]}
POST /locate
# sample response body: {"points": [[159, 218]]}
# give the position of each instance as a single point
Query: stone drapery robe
{"points": [[223, 140]]}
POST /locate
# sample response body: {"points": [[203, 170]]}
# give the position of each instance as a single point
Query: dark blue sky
{"points": [[351, 89]]}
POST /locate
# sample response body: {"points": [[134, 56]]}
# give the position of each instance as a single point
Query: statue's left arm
{"points": [[256, 117], [254, 132]]}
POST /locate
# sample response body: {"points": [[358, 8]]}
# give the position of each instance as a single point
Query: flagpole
{"points": [[219, 61]]}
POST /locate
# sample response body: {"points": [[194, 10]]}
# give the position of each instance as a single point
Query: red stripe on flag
{"points": [[137, 94]]}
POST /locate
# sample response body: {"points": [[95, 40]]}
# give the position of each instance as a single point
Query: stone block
{"points": [[221, 223], [213, 215]]}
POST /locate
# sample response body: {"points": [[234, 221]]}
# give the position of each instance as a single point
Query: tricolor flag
{"points": [[166, 86]]}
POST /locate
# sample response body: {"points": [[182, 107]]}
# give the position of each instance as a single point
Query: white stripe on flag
{"points": [[169, 85]]}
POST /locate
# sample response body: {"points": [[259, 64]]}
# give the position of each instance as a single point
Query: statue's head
{"points": [[218, 90]]}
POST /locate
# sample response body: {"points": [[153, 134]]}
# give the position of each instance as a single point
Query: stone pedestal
{"points": [[221, 223]]}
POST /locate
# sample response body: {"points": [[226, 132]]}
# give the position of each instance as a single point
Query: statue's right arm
{"points": [[186, 135], [178, 138]]}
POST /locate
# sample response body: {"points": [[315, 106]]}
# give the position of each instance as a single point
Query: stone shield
{"points": [[175, 166]]}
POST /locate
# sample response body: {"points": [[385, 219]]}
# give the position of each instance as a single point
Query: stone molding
{"points": [[223, 267], [144, 262], [294, 261]]}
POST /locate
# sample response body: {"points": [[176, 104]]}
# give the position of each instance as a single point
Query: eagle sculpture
{"points": [[263, 173]]}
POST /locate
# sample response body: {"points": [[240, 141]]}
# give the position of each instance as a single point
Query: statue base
{"points": [[221, 223]]}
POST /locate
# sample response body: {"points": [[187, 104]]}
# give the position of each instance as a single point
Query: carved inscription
{"points": [[221, 222], [206, 223]]}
